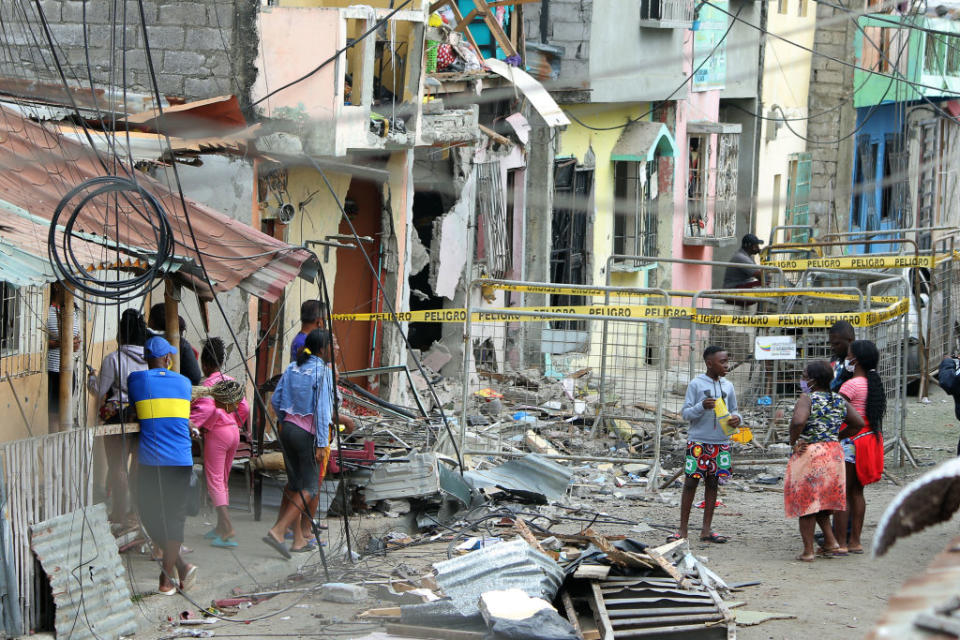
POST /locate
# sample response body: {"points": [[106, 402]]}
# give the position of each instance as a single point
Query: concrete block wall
{"points": [[830, 142], [200, 48], [568, 27]]}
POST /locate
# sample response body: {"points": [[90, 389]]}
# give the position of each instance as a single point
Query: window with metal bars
{"points": [[22, 336], [721, 205], [634, 209]]}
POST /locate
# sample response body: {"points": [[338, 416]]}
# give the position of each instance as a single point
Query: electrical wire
{"points": [[672, 93], [376, 26]]}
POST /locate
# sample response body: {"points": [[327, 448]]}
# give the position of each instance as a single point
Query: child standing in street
{"points": [[709, 406]]}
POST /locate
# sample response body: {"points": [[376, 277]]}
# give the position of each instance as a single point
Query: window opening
{"points": [[568, 256]]}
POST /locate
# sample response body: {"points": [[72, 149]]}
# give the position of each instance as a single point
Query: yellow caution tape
{"points": [[746, 293], [857, 319], [858, 262]]}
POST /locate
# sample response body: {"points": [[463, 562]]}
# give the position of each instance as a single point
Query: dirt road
{"points": [[831, 599]]}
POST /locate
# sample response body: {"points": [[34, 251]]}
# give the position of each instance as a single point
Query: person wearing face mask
{"points": [[863, 448], [840, 336], [815, 482]]}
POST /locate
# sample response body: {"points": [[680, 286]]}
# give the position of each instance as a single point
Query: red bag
{"points": [[869, 447]]}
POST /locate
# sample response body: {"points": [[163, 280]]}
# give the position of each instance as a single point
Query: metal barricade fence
{"points": [[601, 361]]}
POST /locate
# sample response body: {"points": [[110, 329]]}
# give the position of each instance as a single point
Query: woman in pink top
{"points": [[866, 395], [219, 419]]}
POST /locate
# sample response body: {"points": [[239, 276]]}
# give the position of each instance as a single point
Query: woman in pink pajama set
{"points": [[220, 425]]}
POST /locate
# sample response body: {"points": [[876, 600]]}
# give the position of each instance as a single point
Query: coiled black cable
{"points": [[83, 278]]}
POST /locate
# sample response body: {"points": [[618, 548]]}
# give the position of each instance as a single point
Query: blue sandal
{"points": [[226, 544]]}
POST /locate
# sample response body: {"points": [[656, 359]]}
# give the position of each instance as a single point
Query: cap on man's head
{"points": [[750, 239], [158, 347]]}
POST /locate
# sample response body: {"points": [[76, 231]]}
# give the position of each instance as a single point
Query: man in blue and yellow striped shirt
{"points": [[162, 400]]}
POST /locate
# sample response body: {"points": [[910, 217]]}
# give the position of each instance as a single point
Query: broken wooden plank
{"points": [[600, 611], [496, 137], [383, 612], [659, 554], [539, 444], [570, 611], [415, 631], [527, 535]]}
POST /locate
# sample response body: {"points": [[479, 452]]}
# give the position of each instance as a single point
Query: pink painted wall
{"points": [[292, 40], [697, 106]]}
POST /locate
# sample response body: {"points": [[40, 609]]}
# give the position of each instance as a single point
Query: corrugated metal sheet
{"points": [[23, 248], [86, 575], [531, 474], [508, 565], [417, 478], [46, 476], [38, 166]]}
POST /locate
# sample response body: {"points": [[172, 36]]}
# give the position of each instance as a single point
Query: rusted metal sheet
{"points": [[38, 166], [87, 578]]}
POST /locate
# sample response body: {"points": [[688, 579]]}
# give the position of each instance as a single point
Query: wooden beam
{"points": [[498, 33], [65, 392], [496, 137], [171, 315]]}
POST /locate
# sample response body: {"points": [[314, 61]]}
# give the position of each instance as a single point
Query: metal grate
{"points": [[22, 330]]}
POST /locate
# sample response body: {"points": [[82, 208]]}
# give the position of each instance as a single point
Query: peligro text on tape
{"points": [[855, 262], [745, 293], [857, 319]]}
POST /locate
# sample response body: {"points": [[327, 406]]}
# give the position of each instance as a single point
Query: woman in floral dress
{"points": [[815, 481]]}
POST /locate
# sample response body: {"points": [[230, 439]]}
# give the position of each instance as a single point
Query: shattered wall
{"points": [[225, 184], [200, 48]]}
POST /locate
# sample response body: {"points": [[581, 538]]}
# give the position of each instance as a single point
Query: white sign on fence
{"points": [[775, 348]]}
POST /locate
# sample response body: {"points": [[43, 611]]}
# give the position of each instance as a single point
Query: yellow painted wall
{"points": [[31, 390], [786, 81], [577, 140], [318, 219], [321, 218]]}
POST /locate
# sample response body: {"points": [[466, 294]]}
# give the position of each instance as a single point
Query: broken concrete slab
{"points": [[343, 593], [437, 356], [532, 476], [448, 247]]}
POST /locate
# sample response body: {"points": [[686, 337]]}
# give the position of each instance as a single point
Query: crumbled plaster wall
{"points": [[200, 48], [225, 184], [449, 247]]}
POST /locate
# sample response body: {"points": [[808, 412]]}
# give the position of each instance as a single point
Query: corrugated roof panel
{"points": [[531, 474], [86, 575], [38, 166], [417, 478], [508, 565]]}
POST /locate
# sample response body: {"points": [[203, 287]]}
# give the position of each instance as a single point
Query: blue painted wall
{"points": [[873, 123], [481, 33]]}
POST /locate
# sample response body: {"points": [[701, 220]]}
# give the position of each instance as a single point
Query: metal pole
{"points": [[560, 456], [658, 416], [467, 327]]}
